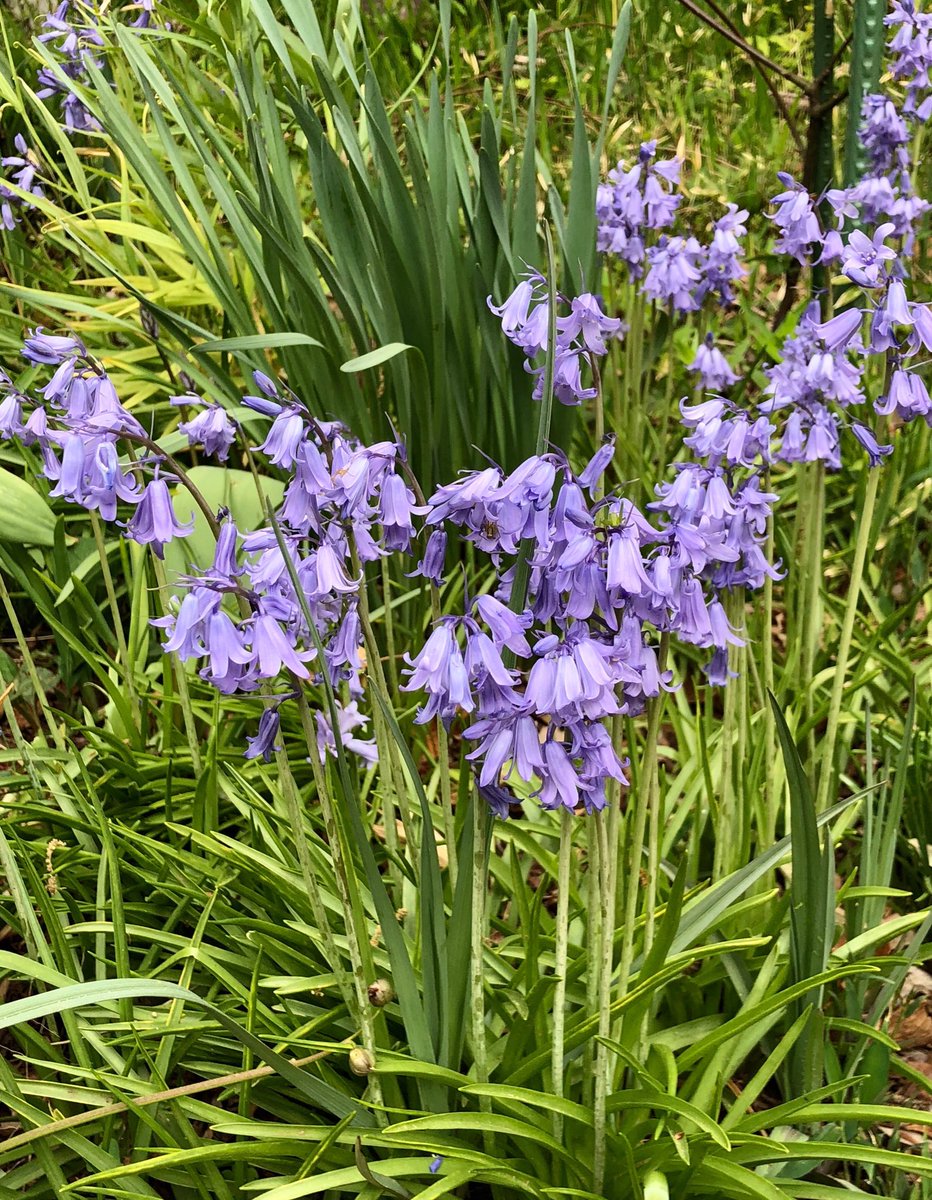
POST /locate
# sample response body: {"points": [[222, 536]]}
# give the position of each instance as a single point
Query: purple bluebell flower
{"points": [[211, 428], [349, 719], [876, 452], [154, 522], [439, 670], [588, 322], [883, 133], [285, 437], [22, 170], [72, 31], [263, 744], [11, 409], [712, 366], [907, 396], [51, 349], [910, 47], [796, 220], [396, 504], [591, 475], [865, 256], [432, 564], [274, 650], [673, 272], [513, 311]]}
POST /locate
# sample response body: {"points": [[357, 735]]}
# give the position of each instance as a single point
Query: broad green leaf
{"points": [[105, 992], [25, 518], [375, 358]]}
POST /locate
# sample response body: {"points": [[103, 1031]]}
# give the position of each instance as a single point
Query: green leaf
{"points": [[663, 1102], [25, 518], [105, 992], [375, 358], [257, 341]]}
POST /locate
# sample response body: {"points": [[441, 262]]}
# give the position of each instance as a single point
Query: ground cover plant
{"points": [[464, 565]]}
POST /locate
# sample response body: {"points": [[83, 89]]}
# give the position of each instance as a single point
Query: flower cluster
{"points": [[72, 30], [712, 367], [581, 336], [910, 47], [246, 618], [818, 386], [541, 676], [23, 170], [77, 422], [633, 202], [677, 271]]}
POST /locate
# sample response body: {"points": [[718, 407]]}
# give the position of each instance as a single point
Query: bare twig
{"points": [[732, 35]]}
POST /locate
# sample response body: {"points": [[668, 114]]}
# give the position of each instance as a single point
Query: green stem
{"points": [[651, 779], [296, 820], [354, 917], [26, 654], [768, 834], [561, 957], [181, 678], [393, 776], [604, 972], [730, 833], [526, 549], [594, 918], [122, 648], [642, 804], [827, 772], [811, 622], [480, 869]]}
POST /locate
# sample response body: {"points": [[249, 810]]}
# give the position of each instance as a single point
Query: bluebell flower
{"points": [[432, 564], [349, 719], [211, 428], [712, 366], [876, 452], [154, 522], [796, 220], [865, 256], [263, 744], [22, 170]]}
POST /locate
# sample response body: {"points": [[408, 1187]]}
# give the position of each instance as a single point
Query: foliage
{"points": [[314, 975]]}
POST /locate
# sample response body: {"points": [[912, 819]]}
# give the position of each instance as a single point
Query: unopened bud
{"points": [[149, 324], [381, 993], [360, 1060]]}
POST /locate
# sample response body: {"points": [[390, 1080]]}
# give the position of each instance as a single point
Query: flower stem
{"points": [[811, 617], [642, 805], [771, 803], [561, 956], [296, 820], [827, 771], [181, 678], [605, 847], [480, 870], [122, 648], [651, 785], [354, 917], [29, 662]]}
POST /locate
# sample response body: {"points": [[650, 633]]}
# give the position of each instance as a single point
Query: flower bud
{"points": [[360, 1060], [381, 993], [150, 325]]}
